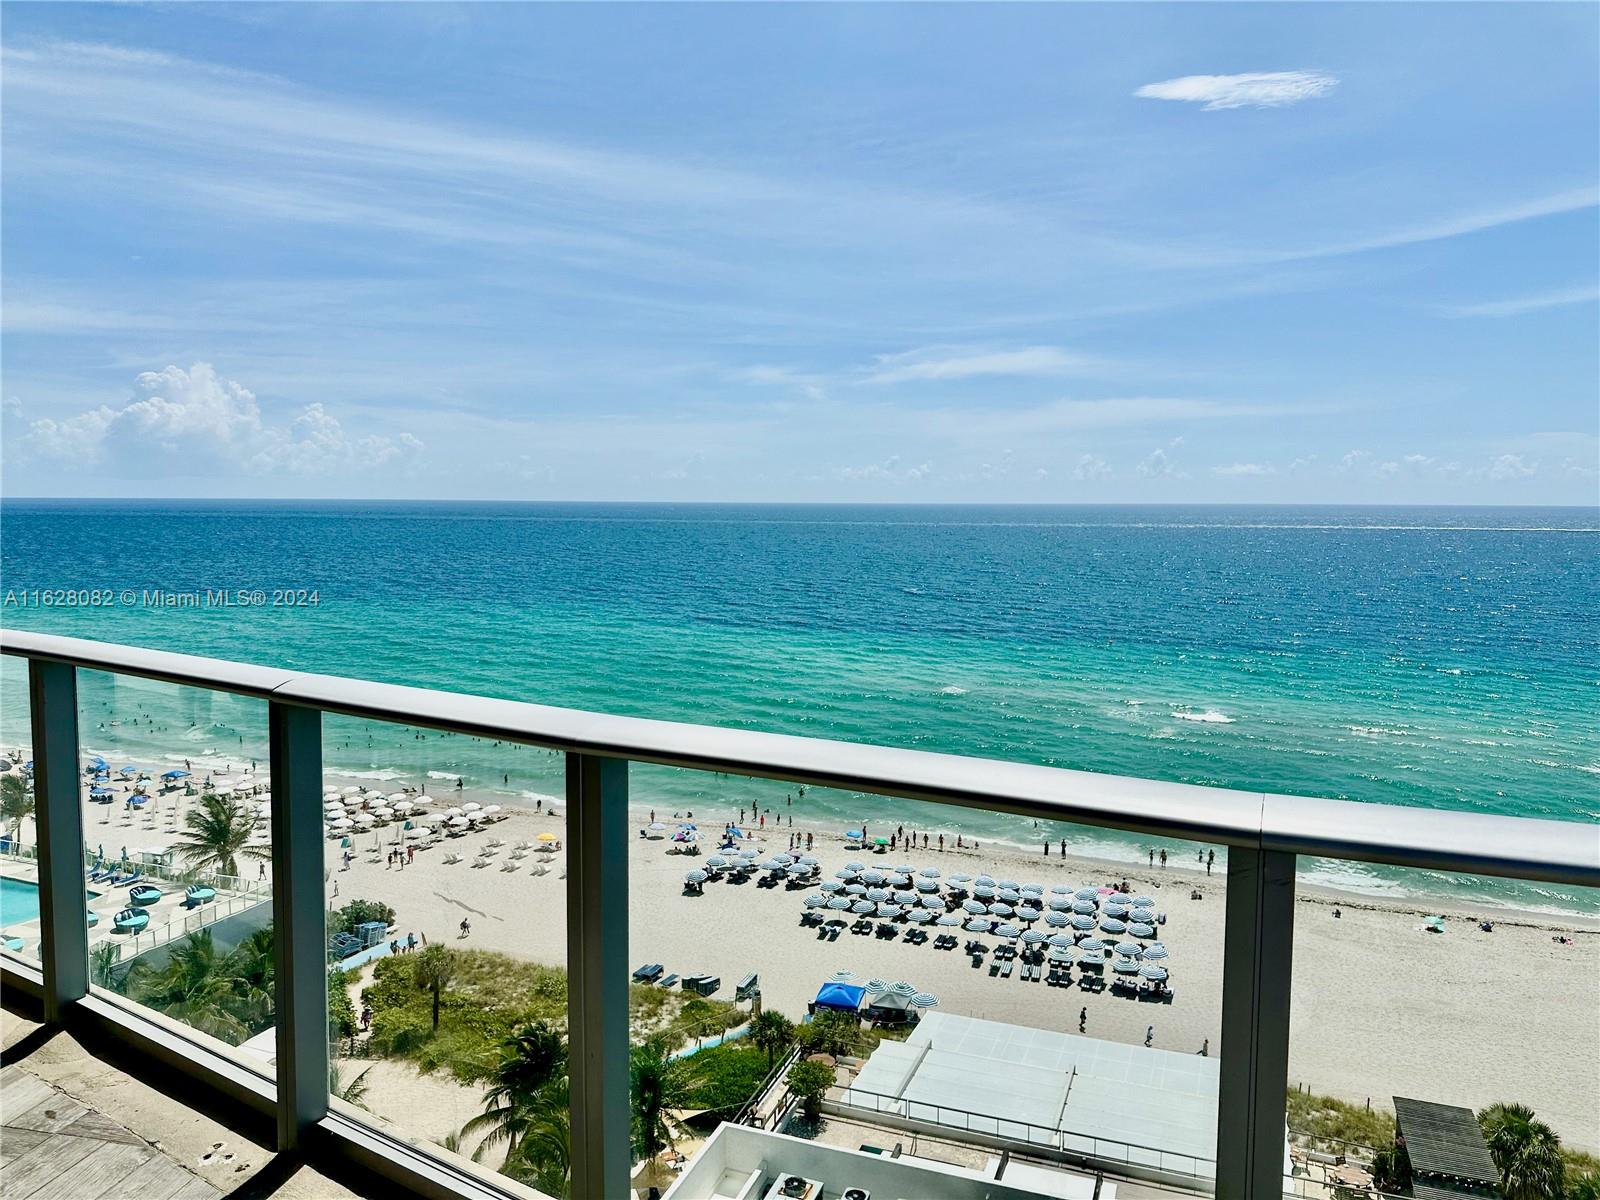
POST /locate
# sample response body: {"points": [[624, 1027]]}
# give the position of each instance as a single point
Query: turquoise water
{"points": [[1438, 657], [19, 901]]}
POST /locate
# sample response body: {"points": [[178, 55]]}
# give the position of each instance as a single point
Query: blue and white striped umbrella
{"points": [[929, 872], [1140, 930], [845, 873], [855, 889], [699, 876], [809, 860], [785, 858], [1032, 937], [949, 920], [877, 895], [1112, 925], [1032, 889], [799, 870], [1151, 971], [1084, 908], [1129, 949], [1061, 903], [1000, 908], [1112, 909], [979, 925], [812, 900], [876, 987], [863, 907], [888, 911], [716, 860], [1143, 902], [1083, 923], [1061, 941], [1007, 931], [838, 903], [1028, 913], [1009, 883], [1061, 954], [961, 877], [773, 864], [842, 976], [1087, 894], [855, 866], [904, 869], [924, 1000], [873, 876], [975, 907], [1125, 966], [920, 915], [830, 886], [983, 891], [902, 988], [1010, 895], [932, 902], [1092, 946], [985, 880], [1057, 920], [1156, 950], [905, 897], [1061, 889], [1118, 898], [927, 885]]}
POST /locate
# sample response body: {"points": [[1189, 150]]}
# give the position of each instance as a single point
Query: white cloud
{"points": [[939, 362], [1262, 89], [216, 421], [1559, 298], [1091, 467], [1510, 466], [890, 469], [1158, 466], [1239, 470]]}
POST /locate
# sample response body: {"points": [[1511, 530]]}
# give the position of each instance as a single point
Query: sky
{"points": [[768, 252]]}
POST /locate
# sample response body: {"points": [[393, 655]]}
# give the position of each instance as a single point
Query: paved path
{"points": [[54, 1148]]}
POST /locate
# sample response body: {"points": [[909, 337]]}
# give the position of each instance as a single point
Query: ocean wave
{"points": [[1377, 731], [1210, 717], [951, 689], [545, 796], [384, 773], [452, 776]]}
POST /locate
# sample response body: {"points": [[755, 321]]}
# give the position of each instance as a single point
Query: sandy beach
{"points": [[1381, 1007]]}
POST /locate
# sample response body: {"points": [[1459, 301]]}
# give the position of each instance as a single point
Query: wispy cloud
{"points": [[1244, 470], [940, 363], [1260, 89], [1516, 306]]}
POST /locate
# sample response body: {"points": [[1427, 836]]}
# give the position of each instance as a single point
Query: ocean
{"points": [[1442, 657]]}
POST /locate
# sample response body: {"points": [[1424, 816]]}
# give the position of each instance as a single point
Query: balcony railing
{"points": [[1264, 834]]}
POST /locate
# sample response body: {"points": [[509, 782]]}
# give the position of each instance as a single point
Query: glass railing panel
{"points": [[1446, 989], [446, 896], [20, 932], [950, 979], [177, 853]]}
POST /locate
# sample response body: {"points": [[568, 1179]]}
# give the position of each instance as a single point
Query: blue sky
{"points": [[768, 252]]}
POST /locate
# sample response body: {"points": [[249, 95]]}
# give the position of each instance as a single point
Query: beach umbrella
{"points": [[877, 895], [1140, 930], [799, 870], [920, 915], [1000, 908], [1083, 923], [961, 877], [949, 920], [1125, 966], [1118, 898], [1092, 946], [1087, 894], [785, 859], [929, 872], [773, 864], [1059, 954], [872, 876], [927, 886], [855, 889], [880, 841], [842, 976], [1129, 949], [905, 897], [452, 812], [1061, 889], [875, 987], [1009, 883], [1010, 895], [838, 904], [1112, 925], [924, 1000], [983, 891], [904, 869], [1084, 908], [986, 880], [932, 902], [459, 822], [1143, 902], [491, 809], [902, 988], [349, 791], [1060, 941], [855, 866], [979, 925], [809, 860], [474, 806], [853, 834], [330, 794], [1061, 903], [1007, 931], [974, 907], [1143, 910], [699, 876], [863, 907], [1032, 937], [845, 873], [888, 911], [1156, 950], [812, 900], [1028, 913], [1112, 909], [342, 823], [1057, 920], [1151, 971], [716, 860], [1032, 889], [829, 887]]}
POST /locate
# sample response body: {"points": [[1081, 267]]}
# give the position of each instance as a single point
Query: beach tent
{"points": [[174, 774], [891, 1008], [839, 997]]}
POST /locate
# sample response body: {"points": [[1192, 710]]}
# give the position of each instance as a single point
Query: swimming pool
{"points": [[19, 901]]}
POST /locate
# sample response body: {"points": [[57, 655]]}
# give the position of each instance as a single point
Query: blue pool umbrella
{"points": [[97, 762], [838, 904], [854, 834], [99, 791], [949, 920], [1083, 923], [1083, 907], [1000, 908], [1057, 920], [863, 907], [924, 1000], [1060, 941], [1125, 966], [975, 907], [979, 925], [129, 770], [1151, 971], [1140, 930], [1112, 925], [1007, 931], [1129, 949], [175, 775], [1156, 950], [1092, 946], [1087, 894]]}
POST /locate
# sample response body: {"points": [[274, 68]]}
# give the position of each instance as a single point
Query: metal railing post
{"points": [[1257, 966], [58, 819], [300, 936], [597, 974]]}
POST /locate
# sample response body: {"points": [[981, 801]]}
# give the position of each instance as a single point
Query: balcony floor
{"points": [[79, 1127]]}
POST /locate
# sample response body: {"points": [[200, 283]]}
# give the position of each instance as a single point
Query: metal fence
{"points": [[1264, 833]]}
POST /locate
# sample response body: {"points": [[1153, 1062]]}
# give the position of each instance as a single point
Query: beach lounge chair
{"points": [[1005, 970], [833, 935], [508, 865], [669, 981], [648, 973]]}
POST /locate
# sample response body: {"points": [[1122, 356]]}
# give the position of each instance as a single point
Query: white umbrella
{"points": [[459, 822], [349, 791], [341, 823], [471, 806]]}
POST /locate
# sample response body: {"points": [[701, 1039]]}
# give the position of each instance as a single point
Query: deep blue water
{"points": [[1426, 656]]}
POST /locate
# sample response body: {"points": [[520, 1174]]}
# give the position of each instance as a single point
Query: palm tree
{"points": [[433, 970], [196, 987], [254, 968], [16, 803], [1526, 1151], [1585, 1187], [217, 833], [353, 1092], [771, 1031], [103, 971], [529, 1063], [543, 1156], [661, 1085]]}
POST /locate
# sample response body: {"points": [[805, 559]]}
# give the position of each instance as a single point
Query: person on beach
{"points": [[1205, 1048], [1211, 857], [1149, 1034], [366, 1017], [1152, 856], [1163, 858], [394, 947], [411, 853], [336, 889], [941, 843], [466, 926], [261, 871], [1083, 1018], [1047, 849], [411, 942]]}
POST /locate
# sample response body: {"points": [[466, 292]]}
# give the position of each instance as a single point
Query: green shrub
{"points": [[1322, 1120], [341, 1011], [358, 912], [810, 1081], [727, 1076]]}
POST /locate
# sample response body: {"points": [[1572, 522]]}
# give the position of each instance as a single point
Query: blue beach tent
{"points": [[839, 997]]}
